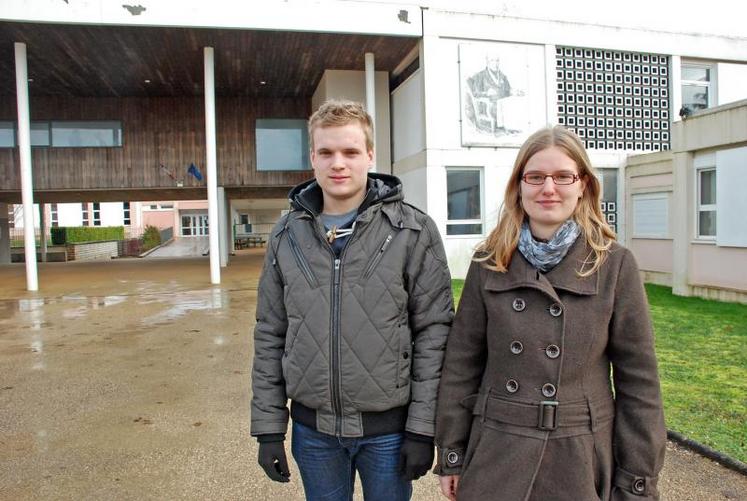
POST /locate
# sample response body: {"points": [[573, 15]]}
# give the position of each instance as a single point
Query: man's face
{"points": [[493, 64], [341, 161]]}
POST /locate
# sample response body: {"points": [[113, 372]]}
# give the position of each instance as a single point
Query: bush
{"points": [[77, 234], [151, 237]]}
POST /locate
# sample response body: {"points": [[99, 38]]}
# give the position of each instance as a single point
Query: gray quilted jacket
{"points": [[356, 335]]}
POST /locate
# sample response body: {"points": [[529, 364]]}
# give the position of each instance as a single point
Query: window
{"points": [[282, 144], [87, 134], [54, 216], [126, 213], [96, 214], [40, 134], [697, 92], [651, 215], [84, 212], [706, 224], [464, 201], [7, 134]]}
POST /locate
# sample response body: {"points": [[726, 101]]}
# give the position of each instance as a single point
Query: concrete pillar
{"points": [[675, 87], [682, 234], [43, 231], [4, 235], [212, 168], [223, 226], [24, 150], [371, 95]]}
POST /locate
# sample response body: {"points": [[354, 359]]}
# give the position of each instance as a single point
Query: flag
{"points": [[195, 172]]}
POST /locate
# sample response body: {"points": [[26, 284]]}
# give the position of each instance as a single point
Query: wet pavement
{"points": [[130, 379]]}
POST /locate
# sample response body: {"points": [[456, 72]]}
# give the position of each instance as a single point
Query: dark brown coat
{"points": [[522, 338]]}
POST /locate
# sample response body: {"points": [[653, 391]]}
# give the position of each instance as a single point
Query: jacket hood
{"points": [[383, 188]]}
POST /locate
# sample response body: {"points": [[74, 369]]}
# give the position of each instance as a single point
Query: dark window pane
{"points": [[463, 188], [708, 187], [707, 223], [695, 97], [697, 74], [464, 229]]}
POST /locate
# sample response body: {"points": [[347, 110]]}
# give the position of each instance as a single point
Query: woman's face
{"points": [[549, 205]]}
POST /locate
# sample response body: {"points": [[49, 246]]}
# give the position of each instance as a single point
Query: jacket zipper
{"points": [[301, 260], [334, 339], [372, 266], [335, 348]]}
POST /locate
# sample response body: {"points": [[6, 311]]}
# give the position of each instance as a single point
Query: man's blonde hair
{"points": [[337, 113]]}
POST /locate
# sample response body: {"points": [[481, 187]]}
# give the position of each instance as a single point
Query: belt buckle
{"points": [[548, 415]]}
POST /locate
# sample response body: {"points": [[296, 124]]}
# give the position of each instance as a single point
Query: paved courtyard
{"points": [[130, 379]]}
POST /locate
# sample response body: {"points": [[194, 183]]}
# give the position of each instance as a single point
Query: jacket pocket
{"points": [[303, 265], [377, 257]]}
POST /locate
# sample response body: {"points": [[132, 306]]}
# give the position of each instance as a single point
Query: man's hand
{"points": [[416, 456], [272, 459], [449, 484]]}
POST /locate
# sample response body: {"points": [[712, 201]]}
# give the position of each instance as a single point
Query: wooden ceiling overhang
{"points": [[117, 61]]}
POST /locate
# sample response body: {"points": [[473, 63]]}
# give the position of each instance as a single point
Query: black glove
{"points": [[416, 456], [272, 459]]}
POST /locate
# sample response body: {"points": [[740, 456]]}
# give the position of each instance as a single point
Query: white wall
{"points": [[408, 127], [731, 79]]}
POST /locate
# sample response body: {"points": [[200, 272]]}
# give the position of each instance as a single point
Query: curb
{"points": [[706, 451]]}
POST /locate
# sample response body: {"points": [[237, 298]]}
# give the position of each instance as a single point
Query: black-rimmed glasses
{"points": [[563, 178]]}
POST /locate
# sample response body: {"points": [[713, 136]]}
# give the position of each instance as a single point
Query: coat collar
{"points": [[522, 274]]}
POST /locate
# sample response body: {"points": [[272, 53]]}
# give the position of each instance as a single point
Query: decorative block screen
{"points": [[614, 100]]}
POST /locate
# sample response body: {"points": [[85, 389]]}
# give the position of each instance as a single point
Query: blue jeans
{"points": [[328, 465]]}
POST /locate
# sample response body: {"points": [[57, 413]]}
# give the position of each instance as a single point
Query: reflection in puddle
{"points": [[182, 303]]}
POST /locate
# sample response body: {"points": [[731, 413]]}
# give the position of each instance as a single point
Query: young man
{"points": [[353, 310]]}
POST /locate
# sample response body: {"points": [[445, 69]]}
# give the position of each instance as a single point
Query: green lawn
{"points": [[702, 350]]}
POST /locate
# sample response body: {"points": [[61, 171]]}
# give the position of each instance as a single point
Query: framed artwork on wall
{"points": [[503, 95]]}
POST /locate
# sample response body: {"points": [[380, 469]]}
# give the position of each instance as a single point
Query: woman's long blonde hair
{"points": [[496, 251]]}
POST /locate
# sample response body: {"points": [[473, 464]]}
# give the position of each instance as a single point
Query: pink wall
{"points": [[160, 219], [718, 266], [653, 254]]}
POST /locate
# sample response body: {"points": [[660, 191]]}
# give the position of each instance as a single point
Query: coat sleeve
{"points": [[269, 413], [462, 374], [640, 434], [430, 311]]}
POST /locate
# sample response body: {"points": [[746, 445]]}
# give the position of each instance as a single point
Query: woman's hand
{"points": [[449, 485]]}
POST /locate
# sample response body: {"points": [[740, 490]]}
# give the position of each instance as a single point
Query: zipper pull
{"points": [[386, 244], [337, 271]]}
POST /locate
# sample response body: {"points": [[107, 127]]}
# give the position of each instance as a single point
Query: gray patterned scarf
{"points": [[546, 255]]}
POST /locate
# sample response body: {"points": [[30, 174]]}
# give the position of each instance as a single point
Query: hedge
{"points": [[76, 234]]}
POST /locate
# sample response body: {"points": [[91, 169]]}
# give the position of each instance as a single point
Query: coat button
{"points": [[548, 390], [452, 458], [519, 304], [639, 485], [512, 386], [552, 351], [405, 355], [517, 347], [556, 310]]}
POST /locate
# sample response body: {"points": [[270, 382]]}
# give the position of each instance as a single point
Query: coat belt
{"points": [[546, 415]]}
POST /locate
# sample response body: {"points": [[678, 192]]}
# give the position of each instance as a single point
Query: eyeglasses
{"points": [[564, 178]]}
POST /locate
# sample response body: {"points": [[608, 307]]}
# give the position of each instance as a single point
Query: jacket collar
{"points": [[522, 274]]}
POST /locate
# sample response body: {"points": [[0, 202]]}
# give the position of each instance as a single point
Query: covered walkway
{"points": [[130, 379]]}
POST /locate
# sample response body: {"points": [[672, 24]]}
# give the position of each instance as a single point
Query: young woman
{"points": [[549, 390]]}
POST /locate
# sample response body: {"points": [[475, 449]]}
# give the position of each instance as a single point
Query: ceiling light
{"points": [[147, 80], [31, 79], [262, 82]]}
